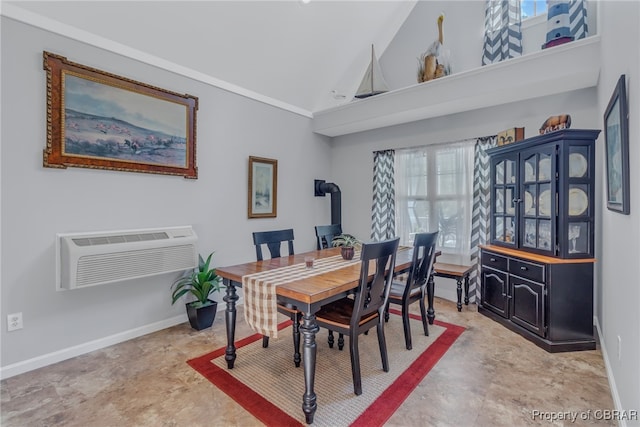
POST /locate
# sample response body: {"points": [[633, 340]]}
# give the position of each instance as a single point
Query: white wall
{"points": [[352, 155], [619, 290], [617, 294], [462, 37], [39, 202], [463, 31]]}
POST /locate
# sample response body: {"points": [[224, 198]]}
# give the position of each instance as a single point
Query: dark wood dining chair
{"points": [[326, 233], [324, 237], [274, 241], [365, 309], [404, 293]]}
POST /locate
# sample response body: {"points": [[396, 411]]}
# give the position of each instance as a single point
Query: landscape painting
{"points": [[99, 120], [263, 179]]}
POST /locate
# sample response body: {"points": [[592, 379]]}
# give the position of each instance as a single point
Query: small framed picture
{"points": [[616, 125], [263, 188]]}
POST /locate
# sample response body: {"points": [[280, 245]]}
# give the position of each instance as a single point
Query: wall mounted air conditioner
{"points": [[89, 259]]}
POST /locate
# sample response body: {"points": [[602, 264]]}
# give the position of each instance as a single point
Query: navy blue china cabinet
{"points": [[537, 271]]}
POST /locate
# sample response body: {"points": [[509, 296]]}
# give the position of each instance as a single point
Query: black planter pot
{"points": [[202, 317]]}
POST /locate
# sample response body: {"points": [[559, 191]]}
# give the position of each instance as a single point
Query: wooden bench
{"points": [[458, 272]]}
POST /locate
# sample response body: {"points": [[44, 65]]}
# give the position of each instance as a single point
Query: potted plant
{"points": [[200, 283], [348, 244]]}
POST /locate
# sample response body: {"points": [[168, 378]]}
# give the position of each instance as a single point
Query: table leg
{"points": [[309, 328], [466, 290], [230, 318], [431, 314], [459, 292]]}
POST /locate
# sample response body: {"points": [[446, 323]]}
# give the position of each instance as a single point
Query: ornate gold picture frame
{"points": [[99, 120]]}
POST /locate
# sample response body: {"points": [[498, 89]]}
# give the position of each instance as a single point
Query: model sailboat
{"points": [[373, 83]]}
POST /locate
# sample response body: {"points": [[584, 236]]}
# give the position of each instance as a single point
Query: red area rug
{"points": [[266, 383]]}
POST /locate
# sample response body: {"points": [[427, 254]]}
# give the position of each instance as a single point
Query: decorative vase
{"points": [[347, 252], [202, 317]]}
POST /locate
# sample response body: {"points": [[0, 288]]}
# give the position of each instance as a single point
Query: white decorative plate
{"points": [[577, 165], [578, 201], [544, 203], [529, 174], [544, 169], [528, 203]]}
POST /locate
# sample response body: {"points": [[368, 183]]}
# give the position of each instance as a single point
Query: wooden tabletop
{"points": [[311, 289]]}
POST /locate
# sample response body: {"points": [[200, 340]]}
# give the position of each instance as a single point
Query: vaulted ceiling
{"points": [[302, 56]]}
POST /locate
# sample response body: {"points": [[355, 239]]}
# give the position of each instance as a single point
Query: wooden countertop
{"points": [[535, 257]]}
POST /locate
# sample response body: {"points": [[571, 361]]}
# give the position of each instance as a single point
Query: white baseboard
{"points": [[607, 365], [67, 353]]}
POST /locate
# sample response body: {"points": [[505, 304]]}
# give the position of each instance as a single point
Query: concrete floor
{"points": [[490, 377]]}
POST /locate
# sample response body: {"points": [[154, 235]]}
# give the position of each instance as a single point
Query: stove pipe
{"points": [[321, 189]]}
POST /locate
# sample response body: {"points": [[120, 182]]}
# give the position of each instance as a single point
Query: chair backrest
{"points": [[326, 233], [424, 254], [372, 295], [273, 240]]}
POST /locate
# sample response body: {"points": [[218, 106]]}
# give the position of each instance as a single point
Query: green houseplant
{"points": [[348, 244], [200, 283]]}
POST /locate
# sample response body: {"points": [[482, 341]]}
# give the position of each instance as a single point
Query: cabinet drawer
{"points": [[528, 270], [494, 261]]}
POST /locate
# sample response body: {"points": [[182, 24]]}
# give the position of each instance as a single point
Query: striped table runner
{"points": [[260, 308]]}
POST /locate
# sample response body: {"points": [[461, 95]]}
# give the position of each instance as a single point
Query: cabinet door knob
{"points": [[523, 268], [493, 260]]}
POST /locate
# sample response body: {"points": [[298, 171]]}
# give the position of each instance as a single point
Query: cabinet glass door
{"points": [[538, 200], [542, 194], [577, 236], [504, 228]]}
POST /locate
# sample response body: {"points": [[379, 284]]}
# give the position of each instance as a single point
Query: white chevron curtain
{"points": [[502, 33], [480, 221], [383, 211], [578, 19]]}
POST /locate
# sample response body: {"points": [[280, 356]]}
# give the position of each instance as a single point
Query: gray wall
{"points": [[39, 202], [462, 38], [463, 29], [352, 155], [617, 294], [619, 291]]}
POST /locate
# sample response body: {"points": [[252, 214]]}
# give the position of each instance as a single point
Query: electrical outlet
{"points": [[619, 348], [14, 322]]}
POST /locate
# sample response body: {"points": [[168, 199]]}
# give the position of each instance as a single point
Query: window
{"points": [[434, 191], [531, 8]]}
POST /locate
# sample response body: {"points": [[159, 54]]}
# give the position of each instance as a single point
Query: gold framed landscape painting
{"points": [[99, 120], [263, 187]]}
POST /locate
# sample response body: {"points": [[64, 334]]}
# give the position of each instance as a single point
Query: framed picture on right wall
{"points": [[616, 126]]}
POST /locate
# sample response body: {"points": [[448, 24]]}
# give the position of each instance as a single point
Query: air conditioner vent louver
{"points": [[105, 240], [90, 259]]}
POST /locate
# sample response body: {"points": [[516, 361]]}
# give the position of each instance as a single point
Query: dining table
{"points": [[307, 294]]}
